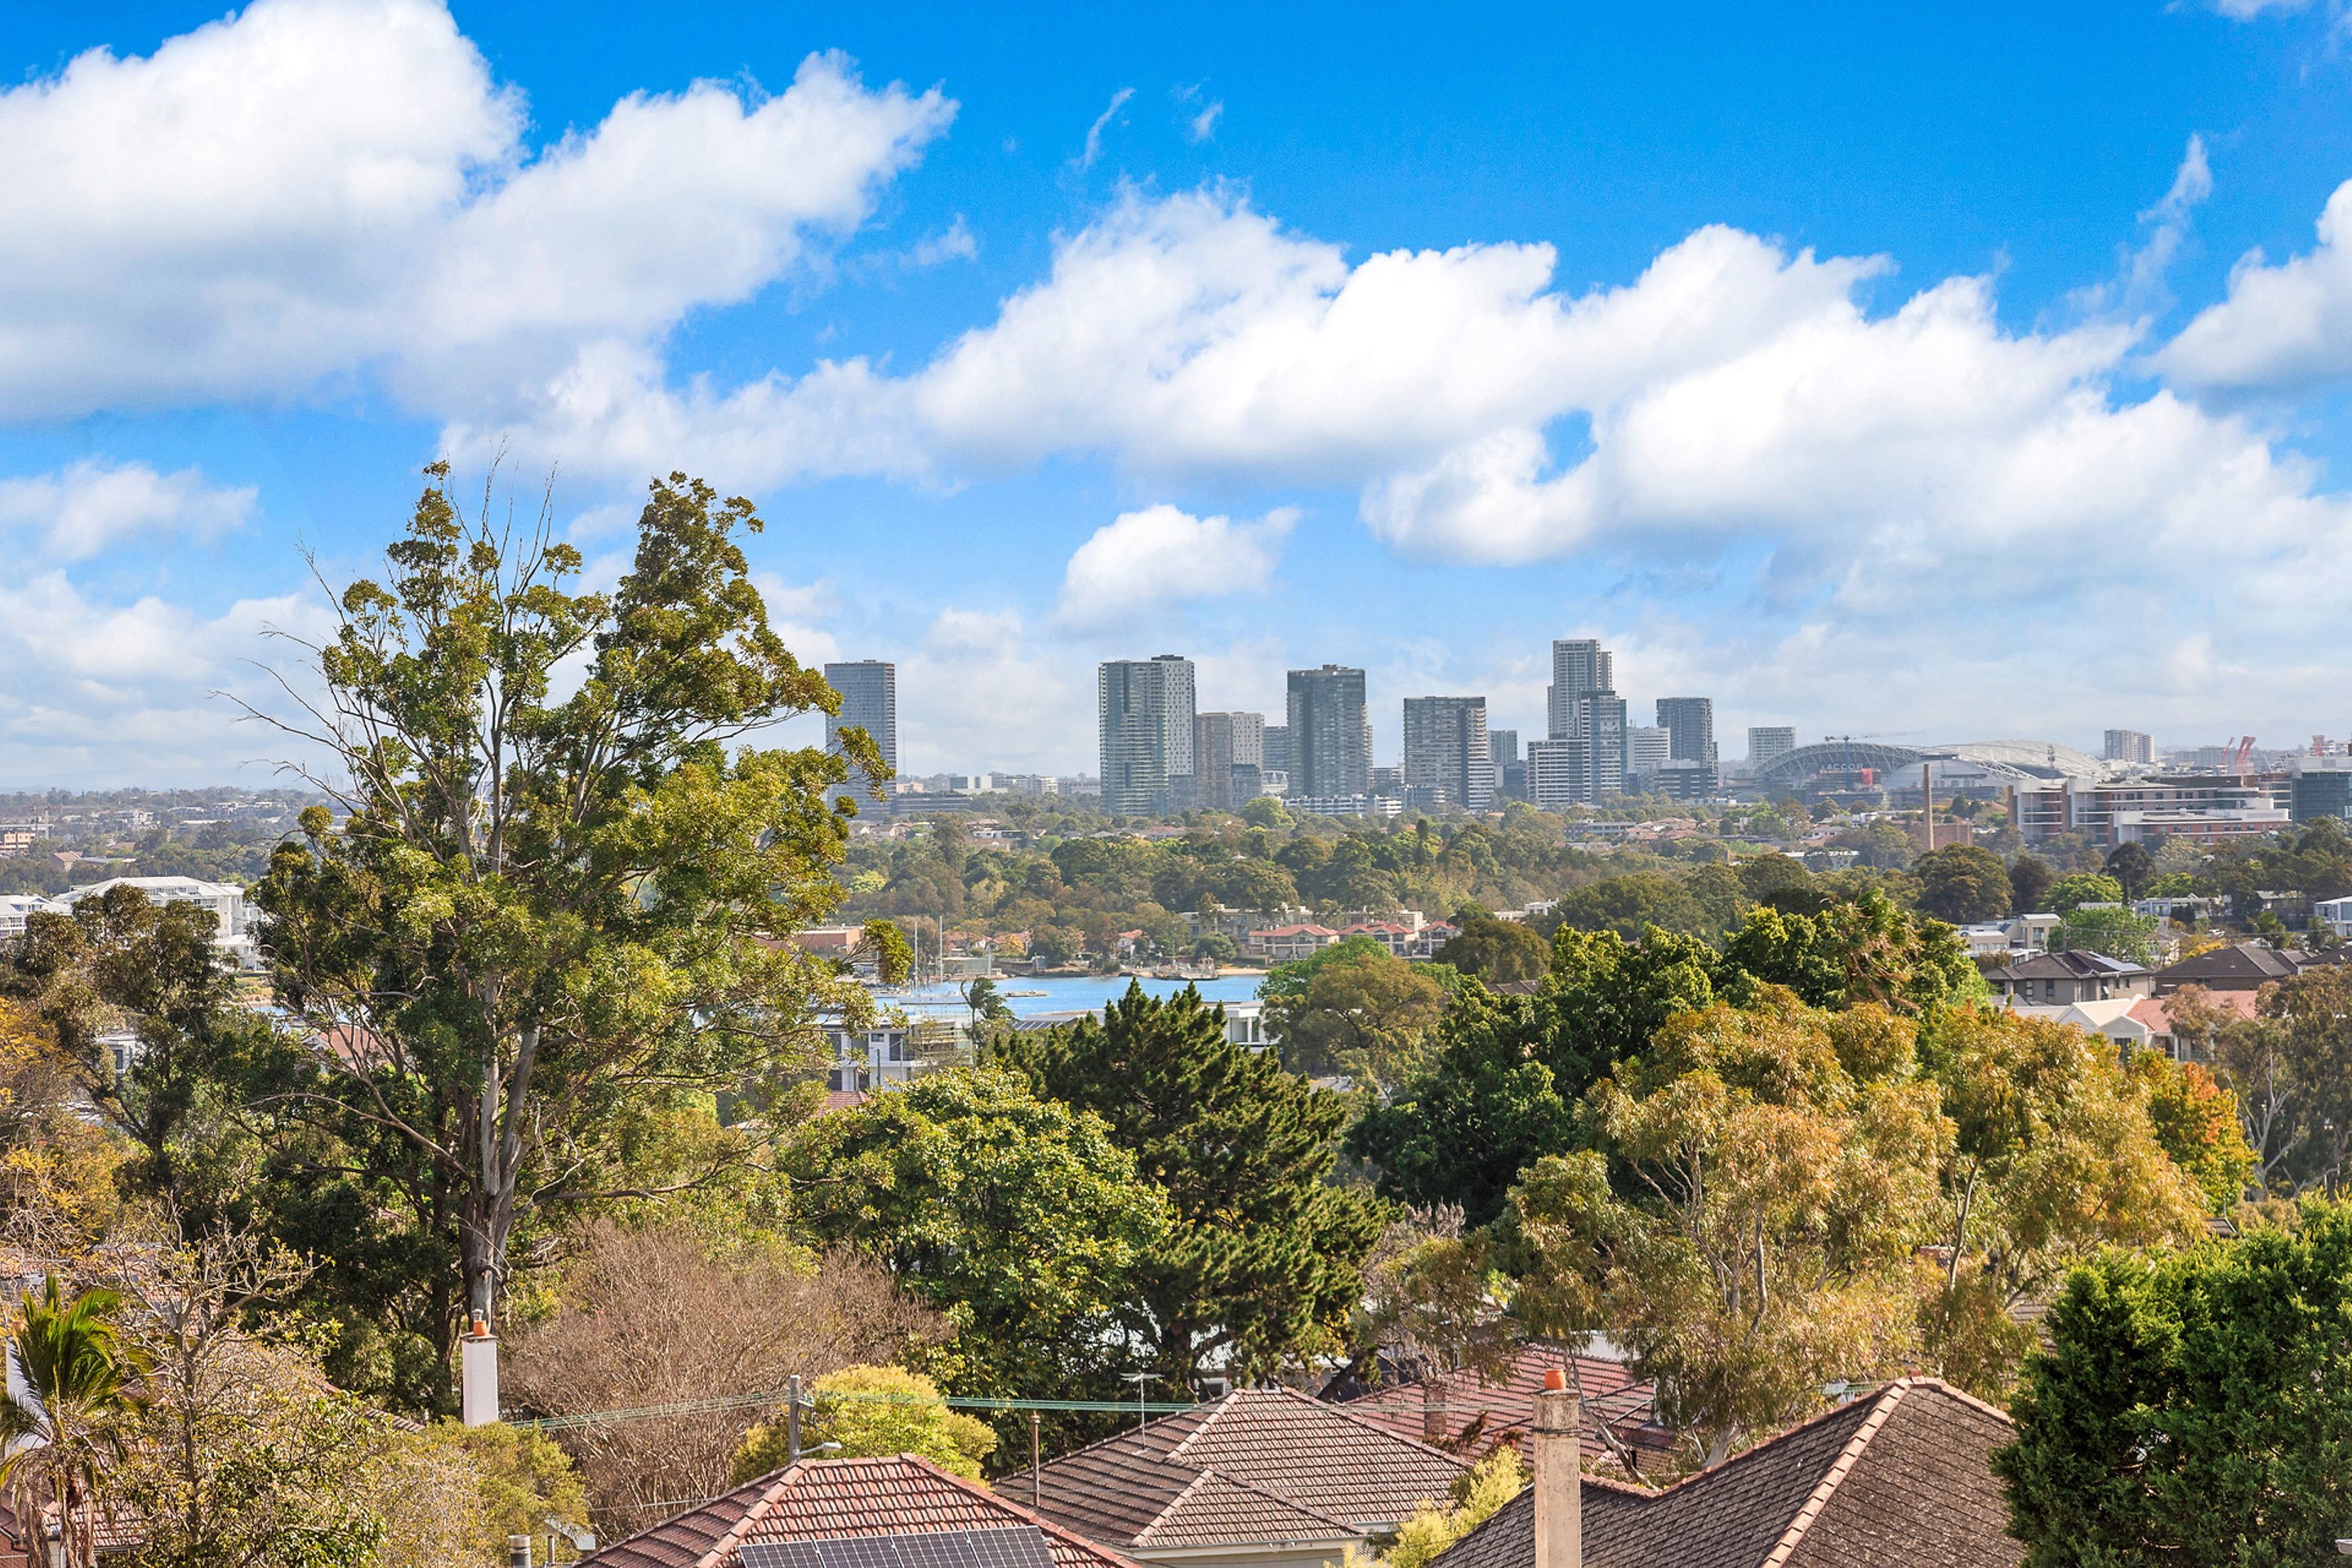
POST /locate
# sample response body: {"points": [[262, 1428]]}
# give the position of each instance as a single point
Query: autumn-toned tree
{"points": [[1777, 1166], [2054, 1155], [653, 1315]]}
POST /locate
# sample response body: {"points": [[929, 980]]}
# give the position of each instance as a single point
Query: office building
{"points": [[869, 701], [2129, 746], [1769, 741], [1689, 724], [1222, 745], [1330, 738], [1577, 665], [1146, 705], [2322, 786], [1445, 749]]}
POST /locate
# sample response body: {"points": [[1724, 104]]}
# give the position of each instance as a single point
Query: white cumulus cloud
{"points": [[1163, 555], [88, 507], [2284, 324], [311, 188]]}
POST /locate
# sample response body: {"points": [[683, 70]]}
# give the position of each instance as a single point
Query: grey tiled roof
{"points": [[1900, 1480], [1258, 1465]]}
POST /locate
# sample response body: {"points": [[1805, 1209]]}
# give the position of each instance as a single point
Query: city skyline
{"points": [[1762, 352]]}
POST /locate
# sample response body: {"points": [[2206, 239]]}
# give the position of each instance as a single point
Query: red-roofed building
{"points": [[1472, 1414], [833, 1499], [2155, 1013]]}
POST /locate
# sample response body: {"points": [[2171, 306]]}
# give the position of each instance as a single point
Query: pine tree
{"points": [[1265, 1257]]}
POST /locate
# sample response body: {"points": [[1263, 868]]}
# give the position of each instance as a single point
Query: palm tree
{"points": [[64, 1432]]}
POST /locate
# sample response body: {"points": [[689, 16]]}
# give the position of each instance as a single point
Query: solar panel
{"points": [[1011, 1546]]}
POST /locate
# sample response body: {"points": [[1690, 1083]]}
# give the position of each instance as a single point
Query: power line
{"points": [[750, 1401]]}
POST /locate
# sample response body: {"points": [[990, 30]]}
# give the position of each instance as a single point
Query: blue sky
{"points": [[1947, 373]]}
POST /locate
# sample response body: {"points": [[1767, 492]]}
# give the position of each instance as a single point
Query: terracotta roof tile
{"points": [[1900, 1480], [819, 1499], [1468, 1413]]}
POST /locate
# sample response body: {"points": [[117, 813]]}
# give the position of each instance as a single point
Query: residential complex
{"points": [[869, 701], [2129, 746], [1329, 732], [1228, 760], [1147, 712], [1447, 757]]}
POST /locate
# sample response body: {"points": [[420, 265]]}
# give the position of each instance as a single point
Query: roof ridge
{"points": [[1201, 1477], [1839, 1468], [1210, 1412], [1368, 1424], [1204, 1410], [1774, 1441], [761, 1506], [1963, 1395], [1032, 1515]]}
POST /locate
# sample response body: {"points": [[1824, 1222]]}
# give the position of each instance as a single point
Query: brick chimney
{"points": [[1560, 1487]]}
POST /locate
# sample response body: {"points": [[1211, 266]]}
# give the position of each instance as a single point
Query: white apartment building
{"points": [[226, 903], [16, 907]]}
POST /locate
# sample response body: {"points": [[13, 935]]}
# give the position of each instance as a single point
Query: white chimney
{"points": [[478, 1376], [1560, 1487]]}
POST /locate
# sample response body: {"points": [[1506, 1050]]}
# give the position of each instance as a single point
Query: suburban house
{"points": [[1470, 1414], [2051, 979], [1257, 1479], [896, 1513], [2016, 937], [1899, 1477], [2156, 1015], [2248, 966]]}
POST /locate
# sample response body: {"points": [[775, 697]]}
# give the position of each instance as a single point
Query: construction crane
{"points": [[2245, 749]]}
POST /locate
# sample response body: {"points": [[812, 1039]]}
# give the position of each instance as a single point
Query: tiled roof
{"points": [[2074, 964], [1468, 1413], [1258, 1465], [2244, 962], [1899, 1479], [819, 1500], [2156, 1013]]}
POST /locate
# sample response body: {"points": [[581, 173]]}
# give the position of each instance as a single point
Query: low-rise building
{"points": [[1287, 944], [226, 902], [2245, 966], [2054, 979], [16, 907], [901, 1512], [1256, 1479], [1901, 1475]]}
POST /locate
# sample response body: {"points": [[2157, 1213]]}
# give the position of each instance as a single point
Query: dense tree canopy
{"points": [[2192, 1409], [1962, 883], [1019, 1219], [545, 915], [1263, 1260]]}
